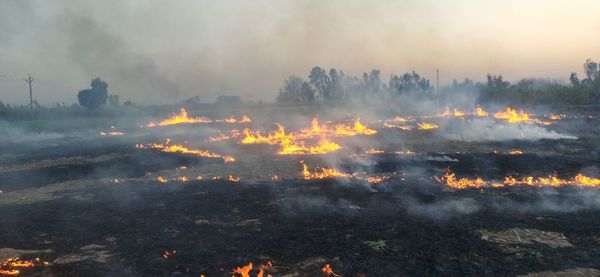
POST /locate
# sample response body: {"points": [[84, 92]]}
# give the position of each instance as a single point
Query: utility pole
{"points": [[29, 80], [437, 80]]}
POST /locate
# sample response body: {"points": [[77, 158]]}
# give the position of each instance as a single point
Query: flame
{"points": [[374, 151], [513, 116], [458, 113], [556, 116], [426, 126], [274, 137], [232, 179], [178, 148], [329, 271], [167, 254], [480, 112], [299, 148], [231, 119], [13, 266], [515, 152], [356, 129], [377, 179], [275, 178], [221, 137], [161, 180], [181, 118], [242, 271], [400, 119], [245, 270], [113, 133], [323, 174], [581, 180], [406, 152], [401, 127]]}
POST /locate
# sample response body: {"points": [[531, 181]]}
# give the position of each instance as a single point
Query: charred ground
{"points": [[92, 206]]}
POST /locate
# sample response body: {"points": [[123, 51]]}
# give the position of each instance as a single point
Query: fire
{"points": [[400, 119], [245, 270], [13, 266], [178, 148], [374, 151], [231, 119], [242, 271], [329, 271], [221, 137], [356, 129], [113, 133], [458, 113], [299, 148], [426, 126], [480, 112], [377, 179], [515, 152], [556, 116], [450, 180], [275, 178], [406, 152], [181, 118], [581, 180], [161, 180], [401, 127], [274, 137], [167, 254], [513, 116], [323, 174], [232, 179]]}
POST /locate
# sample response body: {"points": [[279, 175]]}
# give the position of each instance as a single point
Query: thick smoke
{"points": [[100, 53], [491, 130]]}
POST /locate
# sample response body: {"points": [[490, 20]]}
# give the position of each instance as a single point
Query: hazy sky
{"points": [[166, 51]]}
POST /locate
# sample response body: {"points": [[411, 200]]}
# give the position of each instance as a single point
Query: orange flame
{"points": [[513, 116], [13, 266], [377, 179], [401, 127], [581, 180], [426, 126], [113, 133], [322, 147], [242, 271], [181, 118], [480, 112], [323, 174], [178, 148], [329, 271]]}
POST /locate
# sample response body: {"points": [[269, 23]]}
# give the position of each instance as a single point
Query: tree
{"points": [[295, 89], [94, 97], [574, 80], [591, 69], [409, 82], [321, 82]]}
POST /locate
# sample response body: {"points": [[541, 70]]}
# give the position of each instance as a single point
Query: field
{"points": [[454, 192]]}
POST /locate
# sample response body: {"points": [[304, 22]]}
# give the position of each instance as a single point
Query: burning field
{"points": [[477, 191]]}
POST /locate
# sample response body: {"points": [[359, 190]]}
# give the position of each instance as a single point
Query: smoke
{"points": [[99, 53], [10, 133], [309, 204], [491, 130], [443, 209]]}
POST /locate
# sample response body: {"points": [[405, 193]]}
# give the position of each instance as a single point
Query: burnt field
{"points": [[187, 195]]}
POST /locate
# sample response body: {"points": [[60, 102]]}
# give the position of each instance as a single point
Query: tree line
{"points": [[335, 86]]}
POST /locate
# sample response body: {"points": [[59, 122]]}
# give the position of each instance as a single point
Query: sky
{"points": [[154, 52]]}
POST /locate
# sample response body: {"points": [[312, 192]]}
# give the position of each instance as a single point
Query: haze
{"points": [[154, 52]]}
